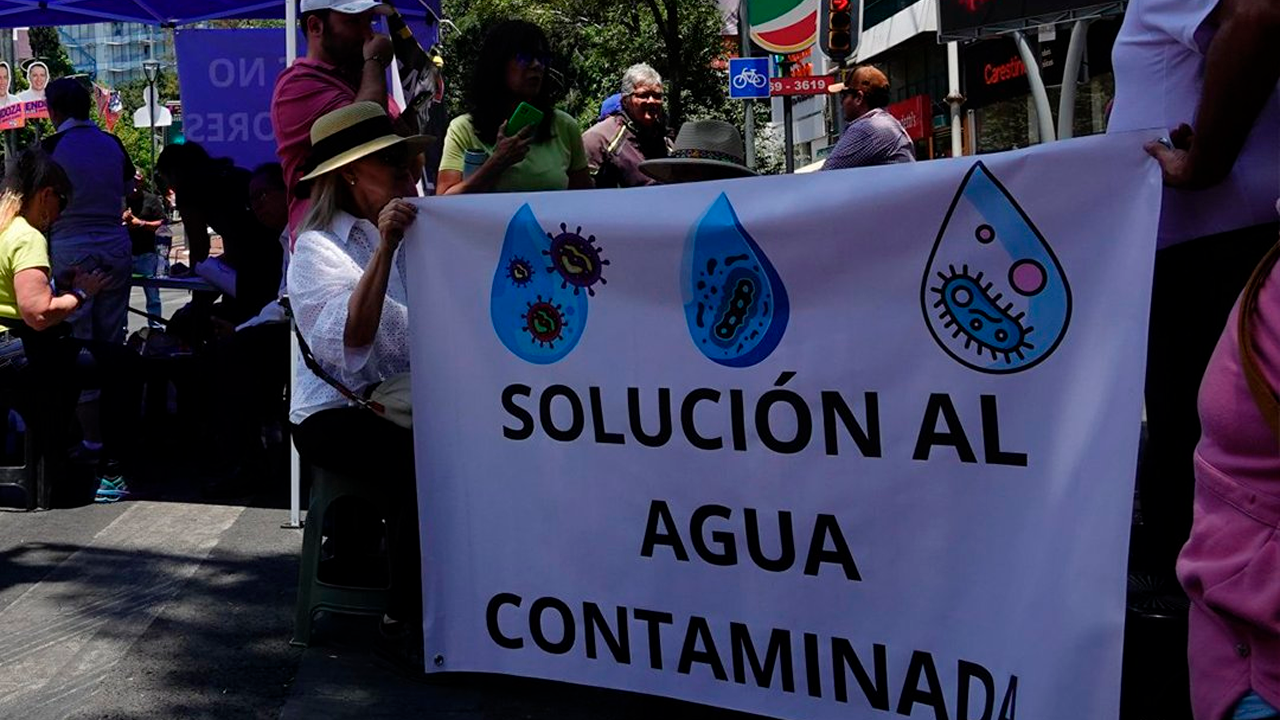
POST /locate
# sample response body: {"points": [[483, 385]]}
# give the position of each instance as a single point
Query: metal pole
{"points": [[748, 106], [1071, 79], [789, 134], [1044, 115], [295, 462], [151, 112], [954, 98], [290, 31]]}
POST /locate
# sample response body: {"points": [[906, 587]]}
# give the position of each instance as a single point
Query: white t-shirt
{"points": [[1159, 60]]}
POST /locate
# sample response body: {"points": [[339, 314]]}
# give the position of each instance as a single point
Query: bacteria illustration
{"points": [[536, 313], [994, 295], [735, 304]]}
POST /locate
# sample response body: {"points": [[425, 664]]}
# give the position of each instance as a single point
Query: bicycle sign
{"points": [[748, 78]]}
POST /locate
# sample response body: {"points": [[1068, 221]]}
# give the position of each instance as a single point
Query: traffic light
{"points": [[838, 31]]}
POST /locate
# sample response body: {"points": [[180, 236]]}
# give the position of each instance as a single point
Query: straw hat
{"points": [[704, 150], [352, 132]]}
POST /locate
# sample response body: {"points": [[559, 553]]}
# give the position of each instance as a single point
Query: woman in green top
{"points": [[511, 69]]}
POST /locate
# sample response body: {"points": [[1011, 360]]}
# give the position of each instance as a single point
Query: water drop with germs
{"points": [[535, 316], [994, 296], [735, 304]]}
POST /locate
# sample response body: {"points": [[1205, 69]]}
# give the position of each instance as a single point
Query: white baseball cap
{"points": [[347, 7]]}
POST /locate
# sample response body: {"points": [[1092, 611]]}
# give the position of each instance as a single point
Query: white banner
{"points": [[854, 444]]}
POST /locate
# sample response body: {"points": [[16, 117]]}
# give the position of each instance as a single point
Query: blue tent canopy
{"points": [[25, 13]]}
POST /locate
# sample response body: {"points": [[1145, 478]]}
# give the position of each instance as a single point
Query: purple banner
{"points": [[227, 77]]}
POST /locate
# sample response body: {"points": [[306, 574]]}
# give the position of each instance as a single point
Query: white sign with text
{"points": [[850, 444]]}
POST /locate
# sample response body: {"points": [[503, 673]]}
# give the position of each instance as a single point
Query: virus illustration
{"points": [[519, 271], [545, 322], [1008, 306], [966, 306], [576, 259], [535, 316]]}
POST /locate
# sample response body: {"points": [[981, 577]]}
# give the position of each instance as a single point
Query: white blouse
{"points": [[324, 271]]}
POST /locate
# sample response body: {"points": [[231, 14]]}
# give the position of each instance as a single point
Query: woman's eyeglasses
{"points": [[525, 59], [62, 200]]}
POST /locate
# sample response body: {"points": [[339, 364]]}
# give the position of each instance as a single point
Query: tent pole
{"points": [[295, 462], [290, 31]]}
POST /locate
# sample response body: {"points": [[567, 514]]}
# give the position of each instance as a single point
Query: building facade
{"points": [[900, 38], [112, 53]]}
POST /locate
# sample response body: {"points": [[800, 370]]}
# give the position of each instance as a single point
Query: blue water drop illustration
{"points": [[536, 316], [734, 301], [994, 296]]}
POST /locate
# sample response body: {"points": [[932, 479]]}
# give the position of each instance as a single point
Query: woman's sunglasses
{"points": [[393, 157], [525, 59], [62, 200]]}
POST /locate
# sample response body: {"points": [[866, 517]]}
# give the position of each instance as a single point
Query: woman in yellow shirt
{"points": [[34, 193], [479, 156]]}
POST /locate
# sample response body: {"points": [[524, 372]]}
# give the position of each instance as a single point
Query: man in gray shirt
{"points": [[89, 234], [873, 137]]}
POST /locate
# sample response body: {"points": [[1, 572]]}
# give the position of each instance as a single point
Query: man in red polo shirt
{"points": [[345, 62]]}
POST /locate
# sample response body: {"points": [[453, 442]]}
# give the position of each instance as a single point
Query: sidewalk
{"points": [[165, 606]]}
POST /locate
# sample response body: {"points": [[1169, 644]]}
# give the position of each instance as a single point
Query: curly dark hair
{"points": [[489, 101]]}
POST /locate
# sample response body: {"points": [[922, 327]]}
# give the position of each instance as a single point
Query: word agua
{"points": [[834, 415], [826, 666], [827, 543]]}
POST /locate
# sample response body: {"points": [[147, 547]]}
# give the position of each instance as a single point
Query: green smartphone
{"points": [[525, 116]]}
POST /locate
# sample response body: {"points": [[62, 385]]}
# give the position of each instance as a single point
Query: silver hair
{"points": [[639, 74]]}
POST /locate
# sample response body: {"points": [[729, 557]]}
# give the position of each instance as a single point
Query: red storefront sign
{"points": [[914, 115], [816, 85]]}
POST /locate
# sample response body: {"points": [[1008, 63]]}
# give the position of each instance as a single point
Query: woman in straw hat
{"points": [[347, 290]]}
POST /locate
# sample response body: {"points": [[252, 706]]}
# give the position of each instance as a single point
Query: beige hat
{"points": [[352, 132], [704, 150]]}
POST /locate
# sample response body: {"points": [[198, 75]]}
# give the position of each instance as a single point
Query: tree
{"points": [[47, 47], [131, 97], [594, 41]]}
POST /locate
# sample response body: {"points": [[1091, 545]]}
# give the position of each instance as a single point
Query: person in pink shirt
{"points": [[346, 62], [1230, 567]]}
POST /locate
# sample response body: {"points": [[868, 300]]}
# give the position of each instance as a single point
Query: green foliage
{"points": [[46, 46], [135, 139], [595, 41]]}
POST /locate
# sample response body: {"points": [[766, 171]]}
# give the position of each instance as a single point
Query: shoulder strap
{"points": [[1263, 394], [612, 147], [313, 365]]}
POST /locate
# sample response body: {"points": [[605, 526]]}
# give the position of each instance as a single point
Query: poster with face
{"points": [[33, 104], [10, 106]]}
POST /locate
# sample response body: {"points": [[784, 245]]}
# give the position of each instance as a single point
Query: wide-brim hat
{"points": [[352, 132], [704, 150]]}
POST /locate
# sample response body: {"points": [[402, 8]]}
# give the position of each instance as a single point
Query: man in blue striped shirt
{"points": [[873, 136]]}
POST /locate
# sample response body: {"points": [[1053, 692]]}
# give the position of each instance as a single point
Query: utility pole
{"points": [[788, 132], [748, 106]]}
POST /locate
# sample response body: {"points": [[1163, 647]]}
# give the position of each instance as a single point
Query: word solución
{"points": [[839, 427], [820, 666]]}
